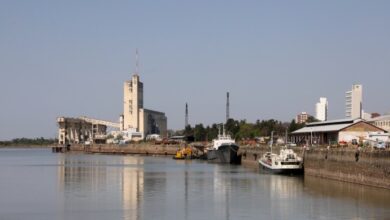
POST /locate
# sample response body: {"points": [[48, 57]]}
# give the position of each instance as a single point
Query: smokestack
{"points": [[186, 117]]}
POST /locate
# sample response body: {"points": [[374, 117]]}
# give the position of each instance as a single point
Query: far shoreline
{"points": [[27, 146]]}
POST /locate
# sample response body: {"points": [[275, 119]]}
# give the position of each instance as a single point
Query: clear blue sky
{"points": [[276, 58]]}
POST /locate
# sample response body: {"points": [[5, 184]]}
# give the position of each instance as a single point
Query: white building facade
{"points": [[353, 102], [382, 122], [322, 109]]}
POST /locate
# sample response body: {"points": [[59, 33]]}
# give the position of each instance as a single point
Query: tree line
{"points": [[241, 129], [28, 141]]}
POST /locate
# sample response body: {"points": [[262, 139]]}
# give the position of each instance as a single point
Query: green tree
{"points": [[232, 127], [199, 132], [119, 137], [311, 119], [246, 130], [188, 131]]}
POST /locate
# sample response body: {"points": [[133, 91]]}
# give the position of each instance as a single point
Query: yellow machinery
{"points": [[185, 153]]}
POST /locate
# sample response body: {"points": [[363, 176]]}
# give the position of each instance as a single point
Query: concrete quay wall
{"points": [[144, 148], [369, 167]]}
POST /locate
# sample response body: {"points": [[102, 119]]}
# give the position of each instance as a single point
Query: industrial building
{"points": [[82, 130], [135, 123], [331, 132], [137, 119]]}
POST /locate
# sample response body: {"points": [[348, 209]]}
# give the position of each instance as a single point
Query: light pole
{"points": [[311, 137]]}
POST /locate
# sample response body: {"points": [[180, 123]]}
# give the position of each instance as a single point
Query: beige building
{"points": [[133, 101], [135, 117], [353, 102], [302, 118]]}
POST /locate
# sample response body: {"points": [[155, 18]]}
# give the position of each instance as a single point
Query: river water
{"points": [[37, 184]]}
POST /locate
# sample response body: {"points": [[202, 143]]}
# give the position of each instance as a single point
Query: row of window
{"points": [[382, 123]]}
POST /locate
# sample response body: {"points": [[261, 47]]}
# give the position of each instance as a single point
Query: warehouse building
{"points": [[336, 131]]}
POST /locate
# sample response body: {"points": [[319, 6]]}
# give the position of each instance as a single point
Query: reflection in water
{"points": [[286, 189], [39, 185], [76, 174], [346, 194], [133, 188], [222, 187]]}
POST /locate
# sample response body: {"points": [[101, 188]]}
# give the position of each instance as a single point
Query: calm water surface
{"points": [[37, 184]]}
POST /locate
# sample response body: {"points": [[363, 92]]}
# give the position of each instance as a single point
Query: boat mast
{"points": [[286, 137], [272, 139]]}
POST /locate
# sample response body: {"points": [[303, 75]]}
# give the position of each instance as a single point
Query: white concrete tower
{"points": [[322, 109], [133, 100], [353, 102]]}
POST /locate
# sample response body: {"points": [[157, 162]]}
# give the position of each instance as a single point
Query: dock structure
{"points": [[82, 130], [60, 149]]}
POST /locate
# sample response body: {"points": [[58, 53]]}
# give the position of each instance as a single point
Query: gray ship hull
{"points": [[225, 154]]}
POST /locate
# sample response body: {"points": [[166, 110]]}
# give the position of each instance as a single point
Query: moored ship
{"points": [[287, 162], [224, 150]]}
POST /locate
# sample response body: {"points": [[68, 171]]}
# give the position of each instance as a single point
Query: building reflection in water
{"points": [[101, 182], [77, 174], [132, 187]]}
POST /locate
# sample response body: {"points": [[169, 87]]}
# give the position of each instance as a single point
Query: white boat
{"points": [[224, 150], [286, 162]]}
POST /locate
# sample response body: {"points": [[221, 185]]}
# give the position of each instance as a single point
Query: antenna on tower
{"points": [[186, 118], [227, 107], [136, 61]]}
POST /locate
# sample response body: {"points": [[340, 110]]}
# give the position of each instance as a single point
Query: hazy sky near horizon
{"points": [[277, 58]]}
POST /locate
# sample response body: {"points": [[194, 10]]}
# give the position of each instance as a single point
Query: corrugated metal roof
{"points": [[340, 121], [323, 128]]}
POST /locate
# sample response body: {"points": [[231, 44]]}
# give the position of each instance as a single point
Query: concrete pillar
{"points": [[71, 134], [77, 135], [82, 133]]}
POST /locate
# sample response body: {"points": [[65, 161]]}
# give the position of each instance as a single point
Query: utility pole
{"points": [[311, 137], [227, 107], [136, 61]]}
